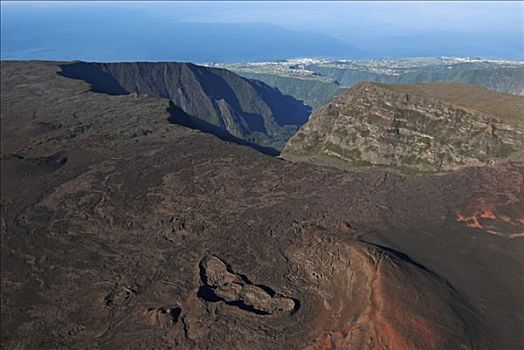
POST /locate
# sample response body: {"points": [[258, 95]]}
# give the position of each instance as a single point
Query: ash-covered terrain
{"points": [[121, 228]]}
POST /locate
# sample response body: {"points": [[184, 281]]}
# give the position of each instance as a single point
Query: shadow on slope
{"points": [[287, 109], [179, 117], [99, 80], [102, 82]]}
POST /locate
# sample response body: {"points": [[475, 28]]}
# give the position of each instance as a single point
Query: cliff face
{"points": [[313, 92], [243, 108], [405, 128]]}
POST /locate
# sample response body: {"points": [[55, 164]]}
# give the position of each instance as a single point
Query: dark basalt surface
{"points": [[114, 220]]}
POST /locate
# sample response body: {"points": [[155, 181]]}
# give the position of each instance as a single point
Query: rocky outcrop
{"points": [[377, 125], [237, 290], [162, 317]]}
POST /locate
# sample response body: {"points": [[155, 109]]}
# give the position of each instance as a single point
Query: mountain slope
{"points": [[508, 108], [122, 230], [424, 127], [247, 109]]}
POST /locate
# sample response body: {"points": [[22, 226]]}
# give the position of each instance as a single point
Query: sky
{"points": [[239, 31]]}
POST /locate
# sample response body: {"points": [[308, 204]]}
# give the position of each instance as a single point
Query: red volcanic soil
{"points": [[499, 213], [488, 220], [120, 230], [380, 301]]}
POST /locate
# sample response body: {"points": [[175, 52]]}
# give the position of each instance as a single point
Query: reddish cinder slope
{"points": [[370, 298]]}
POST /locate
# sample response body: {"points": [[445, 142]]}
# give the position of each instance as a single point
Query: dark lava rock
{"points": [[178, 239]]}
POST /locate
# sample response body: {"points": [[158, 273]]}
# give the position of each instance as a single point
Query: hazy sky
{"points": [[338, 17], [377, 28], [329, 17]]}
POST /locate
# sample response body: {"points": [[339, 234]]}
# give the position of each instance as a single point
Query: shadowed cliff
{"points": [[246, 109]]}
